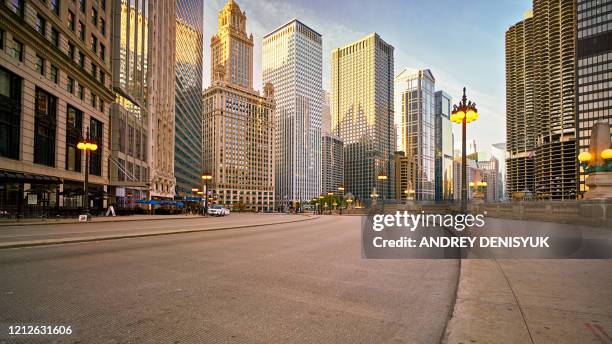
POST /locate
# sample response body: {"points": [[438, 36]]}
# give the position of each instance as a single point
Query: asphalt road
{"points": [[287, 283]]}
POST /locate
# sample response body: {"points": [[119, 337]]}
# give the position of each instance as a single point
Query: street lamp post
{"points": [[87, 145], [463, 113], [382, 178], [206, 177]]}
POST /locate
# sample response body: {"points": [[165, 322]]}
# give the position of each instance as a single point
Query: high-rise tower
{"points": [[188, 100], [521, 122], [362, 113], [292, 63]]}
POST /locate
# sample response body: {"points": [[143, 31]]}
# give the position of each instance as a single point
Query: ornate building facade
{"points": [[238, 122]]}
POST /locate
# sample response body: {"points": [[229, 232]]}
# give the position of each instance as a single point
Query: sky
{"points": [[461, 42]]}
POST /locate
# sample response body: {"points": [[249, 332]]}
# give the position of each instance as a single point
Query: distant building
{"points": [[404, 169], [362, 113], [443, 134], [292, 62], [490, 173], [414, 116], [326, 124], [332, 162], [238, 122], [471, 169]]}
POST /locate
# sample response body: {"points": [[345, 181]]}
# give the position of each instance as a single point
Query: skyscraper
{"points": [[292, 63], [188, 104], [414, 117], [362, 113], [238, 123], [129, 161], [444, 150], [554, 42], [161, 94], [521, 122], [326, 126], [594, 63]]}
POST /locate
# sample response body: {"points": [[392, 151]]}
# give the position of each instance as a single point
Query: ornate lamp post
{"points": [[207, 177], [464, 113], [382, 178], [87, 145], [341, 192]]}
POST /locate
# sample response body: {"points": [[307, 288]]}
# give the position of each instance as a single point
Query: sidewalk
{"points": [[533, 301], [74, 232], [94, 219]]}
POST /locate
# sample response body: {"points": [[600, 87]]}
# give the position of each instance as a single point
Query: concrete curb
{"points": [[37, 243]]}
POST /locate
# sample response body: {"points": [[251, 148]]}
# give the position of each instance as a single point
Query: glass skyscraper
{"points": [[414, 118], [188, 101], [444, 147]]}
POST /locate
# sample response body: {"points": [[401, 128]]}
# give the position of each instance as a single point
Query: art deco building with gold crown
{"points": [[238, 123]]}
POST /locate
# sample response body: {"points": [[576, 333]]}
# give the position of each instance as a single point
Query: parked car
{"points": [[218, 210]]}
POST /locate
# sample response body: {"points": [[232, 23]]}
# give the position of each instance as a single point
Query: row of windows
{"points": [[40, 66]]}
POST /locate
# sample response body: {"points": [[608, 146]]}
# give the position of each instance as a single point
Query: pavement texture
{"points": [[50, 234], [301, 282], [532, 300], [93, 219]]}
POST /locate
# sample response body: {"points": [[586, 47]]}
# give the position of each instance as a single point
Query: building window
{"points": [[71, 51], [74, 132], [102, 52], [55, 6], [82, 5], [1, 39], [70, 85], [94, 70], [10, 114], [102, 77], [41, 24], [94, 99], [103, 26], [81, 92], [95, 157], [54, 74], [17, 6], [71, 21], [39, 65], [103, 4], [81, 31], [55, 39], [94, 43], [101, 105], [94, 16], [82, 60], [45, 124]]}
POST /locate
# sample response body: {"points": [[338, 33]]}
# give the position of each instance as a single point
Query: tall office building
{"points": [[362, 113], [332, 163], [142, 129], [292, 62], [161, 93], [238, 123], [594, 56], [188, 97], [554, 42], [414, 117], [54, 71], [521, 122], [443, 133]]}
